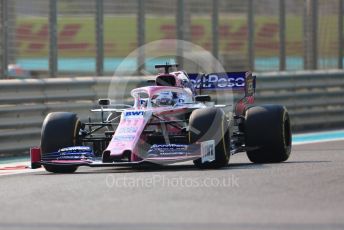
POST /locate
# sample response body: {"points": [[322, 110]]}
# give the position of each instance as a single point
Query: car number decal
{"points": [[208, 151]]}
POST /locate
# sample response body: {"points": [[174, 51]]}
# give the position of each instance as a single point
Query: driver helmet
{"points": [[163, 99]]}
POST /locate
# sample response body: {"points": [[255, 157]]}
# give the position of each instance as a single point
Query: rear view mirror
{"points": [[202, 98], [104, 102]]}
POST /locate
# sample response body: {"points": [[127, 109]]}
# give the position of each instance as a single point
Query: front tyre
{"points": [[59, 130], [267, 134], [211, 124]]}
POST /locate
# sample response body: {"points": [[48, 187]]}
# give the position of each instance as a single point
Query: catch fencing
{"points": [[91, 37]]}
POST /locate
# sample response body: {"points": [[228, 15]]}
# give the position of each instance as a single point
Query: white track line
{"points": [[317, 141]]}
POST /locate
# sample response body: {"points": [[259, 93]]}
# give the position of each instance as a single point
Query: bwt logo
{"points": [[214, 81], [134, 113]]}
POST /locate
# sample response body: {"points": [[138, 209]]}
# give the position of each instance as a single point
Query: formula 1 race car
{"points": [[169, 122]]}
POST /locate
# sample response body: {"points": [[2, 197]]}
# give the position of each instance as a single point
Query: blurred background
{"points": [[41, 38], [60, 55]]}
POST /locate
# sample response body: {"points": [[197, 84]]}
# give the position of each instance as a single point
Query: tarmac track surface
{"points": [[306, 192]]}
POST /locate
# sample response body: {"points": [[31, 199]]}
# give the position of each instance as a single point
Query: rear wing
{"points": [[236, 81]]}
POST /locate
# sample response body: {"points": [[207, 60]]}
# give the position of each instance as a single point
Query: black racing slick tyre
{"points": [[59, 130], [267, 134], [211, 124]]}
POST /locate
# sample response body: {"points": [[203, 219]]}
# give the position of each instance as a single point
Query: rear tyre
{"points": [[59, 130], [211, 124], [268, 134]]}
